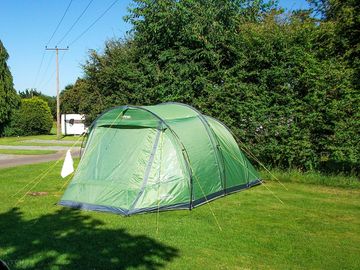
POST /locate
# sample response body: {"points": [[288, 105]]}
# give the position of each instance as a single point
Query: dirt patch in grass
{"points": [[39, 193]]}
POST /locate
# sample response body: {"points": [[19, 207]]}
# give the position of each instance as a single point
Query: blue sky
{"points": [[26, 27]]}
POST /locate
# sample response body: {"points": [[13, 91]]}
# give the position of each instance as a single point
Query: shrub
{"points": [[33, 118]]}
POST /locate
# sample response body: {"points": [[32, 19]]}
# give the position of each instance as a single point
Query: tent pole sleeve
{"points": [[212, 137], [83, 143], [215, 146], [237, 143], [223, 164], [187, 164], [147, 170], [219, 150]]}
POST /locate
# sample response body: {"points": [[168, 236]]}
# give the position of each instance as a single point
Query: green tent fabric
{"points": [[152, 158]]}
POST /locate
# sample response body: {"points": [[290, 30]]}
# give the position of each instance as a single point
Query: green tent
{"points": [[149, 158]]}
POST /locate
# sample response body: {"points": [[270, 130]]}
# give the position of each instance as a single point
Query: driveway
{"points": [[53, 141], [40, 147], [16, 160]]}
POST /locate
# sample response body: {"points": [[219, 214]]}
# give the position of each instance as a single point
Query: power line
{"points": [[57, 27], [45, 84], [39, 69], [76, 21], [46, 70], [74, 40], [93, 23], [43, 55]]}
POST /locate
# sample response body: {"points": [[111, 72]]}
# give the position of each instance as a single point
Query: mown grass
{"points": [[26, 152], [24, 140], [317, 227], [315, 178]]}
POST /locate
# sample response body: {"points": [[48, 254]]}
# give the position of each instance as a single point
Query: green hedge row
{"points": [[278, 81]]}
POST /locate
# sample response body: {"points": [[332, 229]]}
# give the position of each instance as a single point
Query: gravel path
{"points": [[40, 147], [16, 160], [52, 141]]}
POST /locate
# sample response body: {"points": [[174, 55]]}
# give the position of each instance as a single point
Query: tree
{"points": [[187, 45], [33, 118], [274, 79], [73, 96], [51, 101], [112, 78], [9, 99], [341, 39], [344, 17]]}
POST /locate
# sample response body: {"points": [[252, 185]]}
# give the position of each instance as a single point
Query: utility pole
{"points": [[58, 125]]}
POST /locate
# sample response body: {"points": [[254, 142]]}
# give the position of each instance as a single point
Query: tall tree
{"points": [[276, 80], [344, 17], [9, 99], [51, 101]]}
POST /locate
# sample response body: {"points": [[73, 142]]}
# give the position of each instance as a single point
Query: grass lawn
{"points": [[317, 227], [26, 152], [22, 140]]}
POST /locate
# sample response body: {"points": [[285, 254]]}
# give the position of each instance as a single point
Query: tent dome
{"points": [[149, 158]]}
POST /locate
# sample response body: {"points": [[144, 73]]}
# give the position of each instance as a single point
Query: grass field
{"points": [[26, 152], [23, 140], [317, 227]]}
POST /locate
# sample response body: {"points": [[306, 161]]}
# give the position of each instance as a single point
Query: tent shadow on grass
{"points": [[67, 239]]}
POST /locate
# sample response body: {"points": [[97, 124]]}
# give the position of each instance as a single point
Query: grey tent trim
{"points": [[125, 212], [221, 193], [93, 207]]}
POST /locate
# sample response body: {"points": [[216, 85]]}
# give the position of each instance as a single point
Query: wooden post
{"points": [[58, 124]]}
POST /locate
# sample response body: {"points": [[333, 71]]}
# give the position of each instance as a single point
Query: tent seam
{"points": [[147, 170], [233, 135], [211, 135]]}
